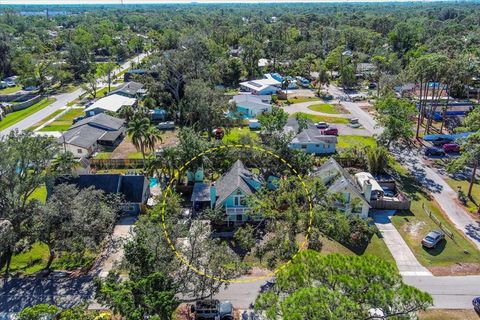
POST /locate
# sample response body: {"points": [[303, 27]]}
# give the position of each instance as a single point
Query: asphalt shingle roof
{"points": [[233, 179]]}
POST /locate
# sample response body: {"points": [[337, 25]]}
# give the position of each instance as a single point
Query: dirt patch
{"points": [[341, 109], [458, 269], [414, 229], [126, 147]]}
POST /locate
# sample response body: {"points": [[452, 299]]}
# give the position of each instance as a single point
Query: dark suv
{"points": [[434, 152], [212, 309]]}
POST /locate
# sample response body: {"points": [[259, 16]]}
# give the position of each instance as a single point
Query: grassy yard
{"points": [[40, 194], [324, 107], [414, 224], [464, 184], [14, 117], [135, 155], [50, 117], [236, 134], [303, 99], [103, 155], [65, 121], [10, 90], [317, 118], [355, 141]]}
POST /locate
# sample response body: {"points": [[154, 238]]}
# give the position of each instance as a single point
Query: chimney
{"points": [[213, 195], [367, 190]]}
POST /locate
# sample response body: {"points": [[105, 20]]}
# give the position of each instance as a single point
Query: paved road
{"points": [[62, 100], [242, 295], [448, 292], [407, 263]]}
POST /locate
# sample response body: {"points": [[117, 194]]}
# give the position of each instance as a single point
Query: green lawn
{"points": [[355, 141], [237, 134], [135, 155], [10, 90], [50, 117], [464, 184], [103, 155], [317, 118], [40, 194], [303, 99], [14, 117], [30, 261], [414, 224], [376, 247], [64, 122], [324, 108]]}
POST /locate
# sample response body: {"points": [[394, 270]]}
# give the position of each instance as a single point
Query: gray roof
{"points": [[235, 178], [335, 177], [87, 132], [201, 192], [102, 121], [128, 88], [310, 135]]}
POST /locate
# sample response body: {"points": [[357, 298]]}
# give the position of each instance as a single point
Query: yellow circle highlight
{"points": [[250, 279]]}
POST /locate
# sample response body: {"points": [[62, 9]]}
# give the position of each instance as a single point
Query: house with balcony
{"points": [[228, 193]]}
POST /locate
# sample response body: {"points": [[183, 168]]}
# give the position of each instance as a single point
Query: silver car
{"points": [[432, 239]]}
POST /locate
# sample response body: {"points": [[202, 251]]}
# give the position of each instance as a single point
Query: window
{"points": [[304, 146], [79, 151], [237, 200], [239, 217]]}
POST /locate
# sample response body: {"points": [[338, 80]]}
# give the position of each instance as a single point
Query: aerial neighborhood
{"points": [[240, 161]]}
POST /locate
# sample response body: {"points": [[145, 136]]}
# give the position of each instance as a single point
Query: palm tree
{"points": [[137, 130], [152, 164], [127, 112], [152, 136], [64, 163], [285, 84]]}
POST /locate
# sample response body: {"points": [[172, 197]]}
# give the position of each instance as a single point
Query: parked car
{"points": [[3, 84], [212, 309], [432, 239], [440, 141], [332, 131], [476, 304], [432, 151], [321, 125], [451, 147], [11, 83]]}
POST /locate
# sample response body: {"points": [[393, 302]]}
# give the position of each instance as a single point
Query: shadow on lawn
{"points": [[438, 248]]}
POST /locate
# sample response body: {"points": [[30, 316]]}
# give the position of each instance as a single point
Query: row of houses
{"points": [[360, 192]]}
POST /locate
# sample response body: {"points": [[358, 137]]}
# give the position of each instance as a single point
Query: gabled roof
{"points": [[236, 178], [310, 135], [336, 178]]}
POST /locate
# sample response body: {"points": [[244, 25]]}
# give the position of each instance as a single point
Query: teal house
{"points": [[228, 193]]}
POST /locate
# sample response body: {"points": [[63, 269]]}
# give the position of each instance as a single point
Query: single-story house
{"points": [[338, 180], [251, 105], [130, 89], [259, 87], [310, 139], [228, 193], [135, 189], [88, 135], [111, 103]]}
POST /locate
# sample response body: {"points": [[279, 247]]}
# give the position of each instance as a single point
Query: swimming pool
{"points": [[153, 182]]}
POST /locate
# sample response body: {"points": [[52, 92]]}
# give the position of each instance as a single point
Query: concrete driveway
{"points": [[407, 263]]}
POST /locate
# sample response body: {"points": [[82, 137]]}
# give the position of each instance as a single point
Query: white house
{"points": [[338, 180], [251, 105], [112, 103]]}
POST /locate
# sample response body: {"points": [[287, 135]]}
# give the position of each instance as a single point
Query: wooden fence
{"points": [[105, 164], [439, 223]]}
